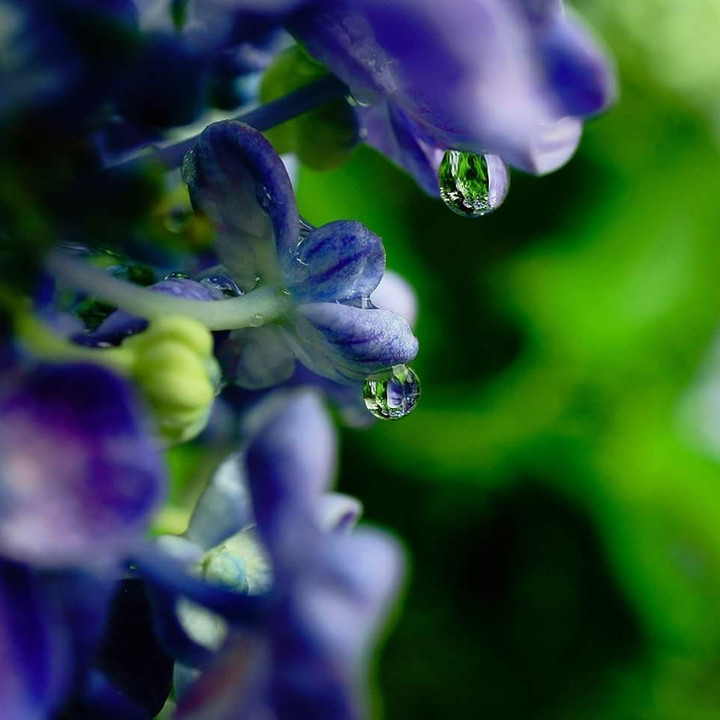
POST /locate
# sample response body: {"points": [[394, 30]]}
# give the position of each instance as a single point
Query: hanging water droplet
{"points": [[264, 198], [257, 320], [392, 394], [227, 286], [304, 230], [358, 100], [177, 275], [472, 185]]}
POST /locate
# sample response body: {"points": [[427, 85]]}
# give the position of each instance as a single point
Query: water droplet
{"points": [[257, 320], [177, 275], [227, 286], [264, 198], [472, 185], [392, 394], [304, 230], [357, 100]]}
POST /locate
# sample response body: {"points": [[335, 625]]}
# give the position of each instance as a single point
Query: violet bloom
{"points": [[79, 476], [325, 275], [513, 78], [79, 480], [329, 590]]}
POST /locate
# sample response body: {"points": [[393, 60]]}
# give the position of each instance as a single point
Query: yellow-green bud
{"points": [[174, 368]]}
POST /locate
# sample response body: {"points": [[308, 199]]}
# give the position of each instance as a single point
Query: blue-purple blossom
{"points": [[240, 183], [34, 647], [79, 475], [330, 588], [510, 78], [50, 627]]}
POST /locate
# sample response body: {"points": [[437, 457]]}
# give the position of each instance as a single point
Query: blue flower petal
{"points": [[322, 648], [238, 180], [577, 68], [36, 655], [339, 261], [502, 72], [79, 476], [256, 358], [347, 343], [290, 462], [224, 508], [550, 148]]}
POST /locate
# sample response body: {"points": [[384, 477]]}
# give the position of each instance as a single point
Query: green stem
{"points": [[43, 342], [251, 310]]}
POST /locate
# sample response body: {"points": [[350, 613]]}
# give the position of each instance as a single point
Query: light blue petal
{"points": [[257, 358], [238, 180], [224, 508], [76, 463], [339, 261], [290, 462], [347, 343]]}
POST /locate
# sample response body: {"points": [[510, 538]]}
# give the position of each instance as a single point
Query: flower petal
{"points": [[238, 180], [346, 343], [77, 465], [256, 358], [550, 148], [578, 69], [482, 91], [321, 649], [338, 512], [501, 74], [290, 462], [392, 132], [224, 508], [339, 261], [35, 656], [396, 294]]}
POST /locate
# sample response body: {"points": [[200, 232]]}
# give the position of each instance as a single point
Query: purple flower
{"points": [[513, 78], [305, 654], [79, 476], [33, 648], [50, 626], [328, 273]]}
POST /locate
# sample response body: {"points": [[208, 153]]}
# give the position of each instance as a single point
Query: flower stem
{"points": [[42, 341], [251, 310], [266, 116]]}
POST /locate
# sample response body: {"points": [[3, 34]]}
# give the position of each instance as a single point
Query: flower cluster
{"points": [[142, 309]]}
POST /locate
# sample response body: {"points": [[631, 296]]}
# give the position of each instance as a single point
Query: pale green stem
{"points": [[43, 342], [251, 310]]}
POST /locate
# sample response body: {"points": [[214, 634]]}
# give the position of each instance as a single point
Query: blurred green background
{"points": [[559, 506]]}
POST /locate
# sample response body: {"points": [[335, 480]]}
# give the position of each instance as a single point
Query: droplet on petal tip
{"points": [[472, 185], [393, 394]]}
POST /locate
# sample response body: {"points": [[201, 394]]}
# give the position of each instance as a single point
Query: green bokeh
{"points": [[561, 515]]}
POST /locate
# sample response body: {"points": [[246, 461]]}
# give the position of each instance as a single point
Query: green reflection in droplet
{"points": [[472, 185], [393, 394]]}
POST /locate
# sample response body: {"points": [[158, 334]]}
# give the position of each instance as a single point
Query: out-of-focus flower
{"points": [[79, 480], [34, 646], [513, 79], [329, 588], [79, 475], [327, 273]]}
